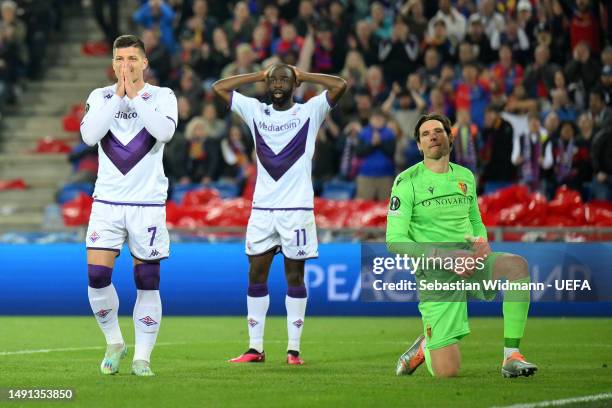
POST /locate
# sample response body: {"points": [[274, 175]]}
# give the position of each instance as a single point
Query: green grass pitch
{"points": [[349, 362]]}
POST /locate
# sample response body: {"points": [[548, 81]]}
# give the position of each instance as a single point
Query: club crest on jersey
{"points": [[252, 322], [148, 320], [94, 236], [145, 96], [102, 313], [298, 323], [462, 187]]}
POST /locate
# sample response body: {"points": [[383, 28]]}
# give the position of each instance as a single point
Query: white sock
{"points": [[509, 350], [105, 306], [296, 310], [147, 318], [257, 308]]}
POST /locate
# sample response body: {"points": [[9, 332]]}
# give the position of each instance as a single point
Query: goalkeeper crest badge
{"points": [[462, 187], [394, 203]]}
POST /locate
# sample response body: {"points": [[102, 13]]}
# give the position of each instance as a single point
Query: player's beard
{"points": [[279, 100]]}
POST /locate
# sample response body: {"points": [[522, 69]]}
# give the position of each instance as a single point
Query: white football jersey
{"points": [[130, 158], [284, 144]]}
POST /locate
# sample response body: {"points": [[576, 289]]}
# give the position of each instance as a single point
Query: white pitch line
{"points": [[17, 352], [561, 402]]}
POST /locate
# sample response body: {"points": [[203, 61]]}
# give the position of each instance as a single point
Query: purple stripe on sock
{"points": [[99, 276], [258, 289], [146, 276], [296, 291]]}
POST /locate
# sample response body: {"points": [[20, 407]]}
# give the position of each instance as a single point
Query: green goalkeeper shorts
{"points": [[446, 322]]}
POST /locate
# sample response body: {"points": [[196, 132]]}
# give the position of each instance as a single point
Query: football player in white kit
{"points": [[282, 218], [130, 121]]}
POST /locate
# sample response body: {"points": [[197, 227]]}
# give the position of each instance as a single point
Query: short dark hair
{"points": [[281, 65], [446, 124], [129, 40]]}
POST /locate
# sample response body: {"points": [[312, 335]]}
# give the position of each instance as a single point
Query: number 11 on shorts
{"points": [[297, 236]]}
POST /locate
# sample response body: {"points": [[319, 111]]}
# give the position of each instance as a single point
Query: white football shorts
{"points": [[291, 231], [142, 225]]}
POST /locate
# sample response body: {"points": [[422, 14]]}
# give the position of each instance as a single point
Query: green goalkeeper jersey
{"points": [[433, 207]]}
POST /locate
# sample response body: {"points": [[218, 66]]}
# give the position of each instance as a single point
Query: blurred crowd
{"points": [[27, 27], [527, 84]]}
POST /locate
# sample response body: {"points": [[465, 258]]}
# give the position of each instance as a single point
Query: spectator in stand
{"points": [[160, 61], [240, 28], [326, 156], [551, 124], [581, 73], [515, 38], [347, 145], [567, 162], [520, 103], [201, 25], [215, 128], [363, 107], [189, 87], [365, 42], [185, 113], [376, 149], [107, 21], [584, 23], [413, 13], [340, 19], [506, 73], [354, 71], [84, 160], [271, 22], [323, 61], [472, 94], [430, 72], [465, 55], [203, 154], [561, 106], [235, 150], [539, 77], [260, 44], [479, 40], [527, 22], [601, 156], [454, 21], [440, 41], [405, 107], [495, 154], [156, 14], [605, 84], [375, 85], [598, 111], [212, 58], [531, 154], [244, 64], [398, 55], [465, 141], [305, 18], [379, 21], [493, 22], [288, 41], [439, 104]]}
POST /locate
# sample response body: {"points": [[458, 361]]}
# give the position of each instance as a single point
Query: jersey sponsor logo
{"points": [[126, 115], [148, 321], [446, 201], [252, 322], [394, 203], [94, 236], [272, 127], [298, 323], [431, 190], [102, 313], [462, 187], [154, 253]]}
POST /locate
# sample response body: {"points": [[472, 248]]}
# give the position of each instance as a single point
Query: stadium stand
{"points": [[527, 84]]}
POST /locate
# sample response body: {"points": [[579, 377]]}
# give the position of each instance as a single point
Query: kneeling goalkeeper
{"points": [[435, 201]]}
